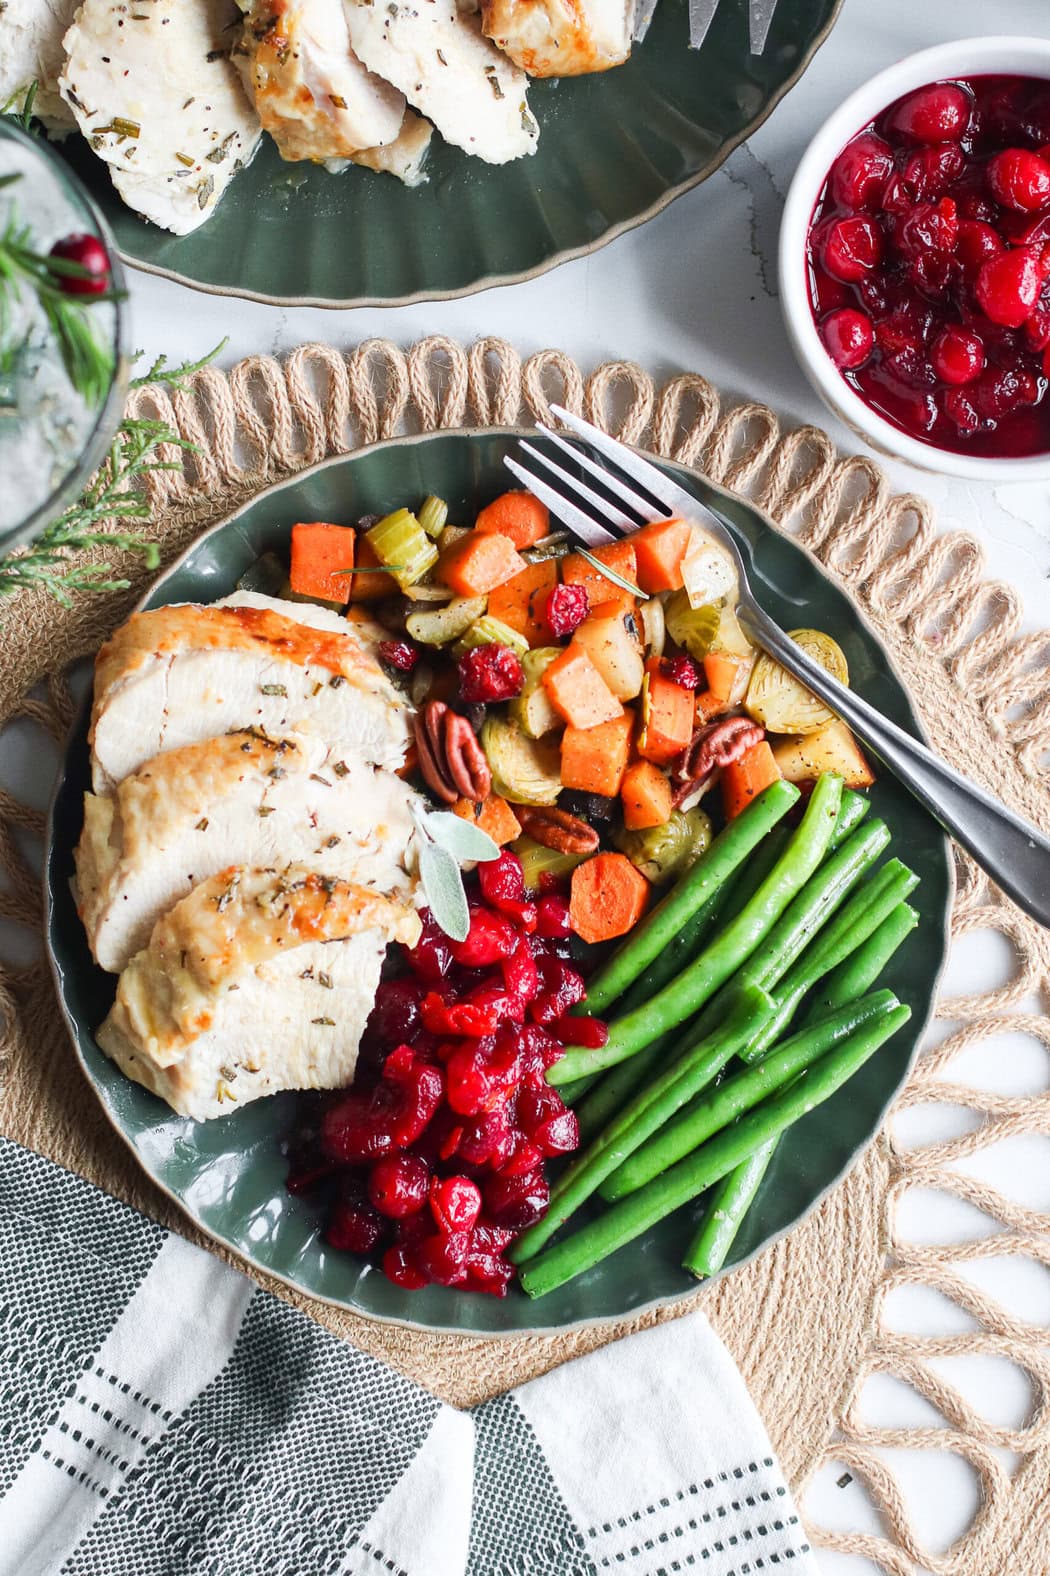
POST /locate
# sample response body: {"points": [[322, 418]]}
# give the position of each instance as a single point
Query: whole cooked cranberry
{"points": [[502, 880], [560, 988], [591, 1033], [977, 242], [487, 1272], [490, 939], [896, 198], [681, 671], [398, 654], [972, 206], [1036, 332], [851, 248], [88, 253], [358, 1127], [402, 1266], [352, 1227], [957, 355], [521, 977], [928, 172], [517, 1202], [1008, 286], [961, 411], [524, 1157], [472, 1088], [443, 1258], [539, 1050], [907, 369], [395, 1017], [455, 1203], [938, 113], [1001, 390], [1020, 179], [905, 328], [552, 917], [418, 1089], [566, 609], [861, 171], [487, 1139], [927, 227], [491, 1239], [490, 673], [848, 336], [431, 957], [933, 274], [397, 1185]]}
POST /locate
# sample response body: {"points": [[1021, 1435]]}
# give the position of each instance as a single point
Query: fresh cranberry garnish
{"points": [[567, 607], [402, 1266], [929, 172], [860, 172], [552, 917], [398, 654], [681, 671], [1019, 178], [938, 113], [455, 1203], [87, 252], [851, 248], [848, 336], [957, 355], [397, 1185], [490, 673], [1008, 286], [516, 1201]]}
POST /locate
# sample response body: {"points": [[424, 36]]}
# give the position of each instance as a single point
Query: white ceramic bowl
{"points": [[964, 57]]}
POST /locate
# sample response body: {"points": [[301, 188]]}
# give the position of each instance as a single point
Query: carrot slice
{"points": [[518, 516], [608, 897], [646, 795], [745, 779], [478, 563], [620, 557], [521, 603], [494, 816], [577, 690], [319, 552], [593, 760], [660, 549]]}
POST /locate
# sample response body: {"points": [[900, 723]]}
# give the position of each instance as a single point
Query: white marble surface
{"points": [[696, 289]]}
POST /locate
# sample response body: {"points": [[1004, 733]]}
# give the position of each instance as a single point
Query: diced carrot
{"points": [[494, 816], [577, 690], [518, 516], [594, 760], [745, 779], [370, 587], [619, 556], [411, 761], [608, 897], [521, 603], [478, 563], [721, 673], [646, 795], [668, 713], [708, 707], [319, 553], [660, 549]]}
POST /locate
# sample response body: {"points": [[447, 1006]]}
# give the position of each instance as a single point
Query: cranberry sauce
{"points": [[929, 265]]}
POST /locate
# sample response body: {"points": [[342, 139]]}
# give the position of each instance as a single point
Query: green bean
{"points": [[718, 1107], [563, 1261], [855, 974], [588, 1168], [649, 938], [853, 807], [571, 1092], [730, 1202], [696, 984], [616, 1087]]}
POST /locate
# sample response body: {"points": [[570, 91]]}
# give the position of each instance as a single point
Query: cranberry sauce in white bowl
{"points": [[915, 260]]}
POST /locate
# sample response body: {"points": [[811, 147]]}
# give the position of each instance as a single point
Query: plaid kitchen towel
{"points": [[162, 1416]]}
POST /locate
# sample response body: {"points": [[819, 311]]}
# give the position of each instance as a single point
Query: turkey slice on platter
{"points": [[561, 38]]}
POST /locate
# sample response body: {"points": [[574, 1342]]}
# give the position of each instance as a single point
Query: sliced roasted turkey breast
{"points": [[255, 982], [561, 38], [179, 674], [31, 34], [240, 799]]}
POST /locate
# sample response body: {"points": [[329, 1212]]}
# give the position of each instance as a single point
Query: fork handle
{"points": [[1015, 854]]}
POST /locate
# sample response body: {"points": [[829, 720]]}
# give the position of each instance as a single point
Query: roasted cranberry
{"points": [[398, 654], [930, 171], [516, 1201], [490, 939], [550, 1125], [567, 607], [490, 673], [957, 355], [397, 1185], [88, 253], [402, 1266], [905, 328], [848, 336], [353, 1227], [431, 957], [444, 1258], [1008, 286], [851, 248], [1020, 179], [860, 172], [491, 1239], [938, 113], [552, 917], [977, 242], [681, 671], [455, 1203]]}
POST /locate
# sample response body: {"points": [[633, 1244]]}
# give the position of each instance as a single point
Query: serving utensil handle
{"points": [[1015, 854]]}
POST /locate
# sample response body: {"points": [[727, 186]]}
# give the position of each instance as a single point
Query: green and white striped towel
{"points": [[162, 1416]]}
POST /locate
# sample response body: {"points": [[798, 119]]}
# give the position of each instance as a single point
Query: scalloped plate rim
{"points": [[598, 1321]]}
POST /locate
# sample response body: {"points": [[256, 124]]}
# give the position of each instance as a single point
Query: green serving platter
{"points": [[614, 149], [228, 1174]]}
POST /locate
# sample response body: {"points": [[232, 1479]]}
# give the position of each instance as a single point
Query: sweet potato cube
{"points": [[320, 555], [646, 795], [370, 587], [494, 816], [610, 638], [479, 562], [521, 603], [577, 690], [660, 549], [667, 711], [593, 760], [576, 571]]}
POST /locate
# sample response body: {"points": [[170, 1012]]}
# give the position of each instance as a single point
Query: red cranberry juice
{"points": [[929, 265]]}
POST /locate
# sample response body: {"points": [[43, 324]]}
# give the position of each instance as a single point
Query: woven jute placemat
{"points": [[805, 1320]]}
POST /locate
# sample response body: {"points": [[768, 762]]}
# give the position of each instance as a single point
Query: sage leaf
{"points": [[443, 886], [462, 838]]}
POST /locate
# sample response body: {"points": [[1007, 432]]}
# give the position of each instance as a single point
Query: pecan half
{"points": [[715, 746], [556, 829], [451, 760]]}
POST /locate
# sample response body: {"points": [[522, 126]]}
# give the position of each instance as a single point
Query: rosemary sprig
{"points": [[114, 495]]}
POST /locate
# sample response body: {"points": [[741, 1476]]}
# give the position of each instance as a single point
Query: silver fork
{"points": [[1015, 854], [702, 14]]}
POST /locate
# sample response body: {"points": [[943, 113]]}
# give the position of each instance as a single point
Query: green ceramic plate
{"points": [[228, 1174], [614, 149]]}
